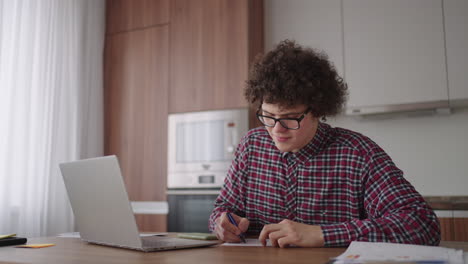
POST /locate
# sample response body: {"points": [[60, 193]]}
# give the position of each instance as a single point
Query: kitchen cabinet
{"points": [[394, 52], [125, 15], [136, 109], [316, 24], [212, 45], [446, 228], [456, 33], [205, 66], [396, 55], [453, 224], [137, 100], [460, 227]]}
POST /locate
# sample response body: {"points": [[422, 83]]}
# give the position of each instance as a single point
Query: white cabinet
{"points": [[395, 55], [456, 32], [394, 52], [315, 24]]}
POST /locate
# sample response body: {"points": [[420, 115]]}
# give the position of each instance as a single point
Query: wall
{"points": [[431, 150]]}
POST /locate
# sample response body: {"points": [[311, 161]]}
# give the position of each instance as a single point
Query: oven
{"points": [[190, 209]]}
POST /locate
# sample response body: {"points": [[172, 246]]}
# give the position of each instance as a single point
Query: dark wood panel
{"points": [[210, 55], [446, 228], [136, 109], [126, 15], [151, 223], [256, 44], [460, 229], [256, 28]]}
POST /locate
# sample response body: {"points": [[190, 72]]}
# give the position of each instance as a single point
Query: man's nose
{"points": [[279, 127]]}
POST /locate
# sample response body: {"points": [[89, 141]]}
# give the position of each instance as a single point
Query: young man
{"points": [[298, 181]]}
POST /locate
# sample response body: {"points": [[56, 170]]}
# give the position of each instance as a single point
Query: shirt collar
{"points": [[314, 146]]}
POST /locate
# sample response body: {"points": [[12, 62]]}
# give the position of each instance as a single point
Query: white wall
{"points": [[431, 150]]}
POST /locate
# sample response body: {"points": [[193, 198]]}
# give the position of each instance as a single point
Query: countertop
{"points": [[447, 202]]}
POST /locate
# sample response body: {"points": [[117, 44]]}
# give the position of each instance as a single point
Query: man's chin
{"points": [[283, 147]]}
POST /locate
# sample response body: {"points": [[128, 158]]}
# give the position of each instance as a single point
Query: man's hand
{"points": [[288, 232], [228, 232]]}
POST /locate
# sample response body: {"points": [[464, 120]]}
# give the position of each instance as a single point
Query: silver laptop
{"points": [[103, 212]]}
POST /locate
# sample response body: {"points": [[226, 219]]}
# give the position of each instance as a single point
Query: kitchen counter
{"points": [[447, 202]]}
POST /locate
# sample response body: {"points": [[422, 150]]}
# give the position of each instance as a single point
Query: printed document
{"points": [[367, 252]]}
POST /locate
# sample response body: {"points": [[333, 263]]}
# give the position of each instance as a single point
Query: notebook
{"points": [[102, 209]]}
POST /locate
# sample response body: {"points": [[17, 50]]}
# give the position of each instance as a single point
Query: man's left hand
{"points": [[288, 232]]}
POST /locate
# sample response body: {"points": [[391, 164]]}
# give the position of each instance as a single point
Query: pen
{"points": [[7, 236], [231, 219]]}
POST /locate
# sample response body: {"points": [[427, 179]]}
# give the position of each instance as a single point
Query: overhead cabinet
{"points": [[456, 32], [394, 54], [315, 24], [212, 44]]}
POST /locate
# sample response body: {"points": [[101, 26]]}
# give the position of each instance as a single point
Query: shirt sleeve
{"points": [[394, 211], [231, 197]]}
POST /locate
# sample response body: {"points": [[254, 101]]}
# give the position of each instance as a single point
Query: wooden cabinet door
{"points": [[127, 15], [446, 228], [453, 225], [460, 229], [460, 225], [210, 51], [394, 52], [136, 87]]}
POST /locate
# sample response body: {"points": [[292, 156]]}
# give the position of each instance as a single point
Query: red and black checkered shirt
{"points": [[341, 180]]}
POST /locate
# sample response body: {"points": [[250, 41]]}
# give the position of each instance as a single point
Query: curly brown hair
{"points": [[290, 75]]}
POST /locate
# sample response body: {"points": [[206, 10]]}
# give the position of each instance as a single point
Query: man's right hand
{"points": [[228, 232]]}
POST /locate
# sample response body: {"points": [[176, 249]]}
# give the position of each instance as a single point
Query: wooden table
{"points": [[73, 250]]}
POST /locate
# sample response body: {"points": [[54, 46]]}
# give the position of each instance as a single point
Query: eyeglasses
{"points": [[289, 123]]}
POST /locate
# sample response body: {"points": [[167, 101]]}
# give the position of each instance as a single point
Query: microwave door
{"points": [[214, 141], [201, 141], [232, 139]]}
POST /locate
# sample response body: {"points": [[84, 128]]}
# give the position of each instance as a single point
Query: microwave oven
{"points": [[201, 146]]}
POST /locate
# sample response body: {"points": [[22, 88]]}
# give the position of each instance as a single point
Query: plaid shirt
{"points": [[341, 180]]}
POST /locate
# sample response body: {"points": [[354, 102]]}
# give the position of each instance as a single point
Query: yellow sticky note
{"points": [[6, 236], [36, 246]]}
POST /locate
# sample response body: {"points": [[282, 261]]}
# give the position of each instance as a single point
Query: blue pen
{"points": [[231, 219]]}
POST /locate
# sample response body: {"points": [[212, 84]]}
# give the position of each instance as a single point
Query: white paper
{"points": [[70, 235], [250, 242], [361, 251]]}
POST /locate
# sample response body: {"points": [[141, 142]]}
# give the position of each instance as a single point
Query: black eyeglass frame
{"points": [[298, 119]]}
